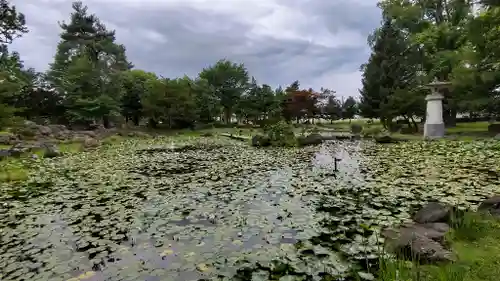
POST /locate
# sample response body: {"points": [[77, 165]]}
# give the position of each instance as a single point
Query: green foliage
{"points": [[389, 77], [281, 134], [13, 23], [229, 81], [88, 67], [349, 108]]}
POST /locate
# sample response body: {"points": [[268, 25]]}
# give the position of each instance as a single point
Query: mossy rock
{"points": [[312, 139], [260, 141]]}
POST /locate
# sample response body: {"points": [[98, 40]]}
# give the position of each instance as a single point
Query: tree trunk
{"points": [[105, 121], [415, 125], [136, 120], [227, 115], [152, 123]]}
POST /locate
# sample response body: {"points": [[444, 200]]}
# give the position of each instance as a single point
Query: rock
{"points": [[8, 138], [90, 134], [384, 139], [494, 128], [4, 153], [51, 151], [312, 139], [491, 205], [29, 124], [421, 241], [356, 129], [90, 143], [433, 212], [96, 127], [260, 141], [497, 137], [57, 129], [44, 130]]}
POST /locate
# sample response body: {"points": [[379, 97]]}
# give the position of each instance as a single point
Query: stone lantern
{"points": [[434, 125]]}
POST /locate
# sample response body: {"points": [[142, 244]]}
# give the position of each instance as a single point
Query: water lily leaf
{"points": [[167, 252], [202, 267]]}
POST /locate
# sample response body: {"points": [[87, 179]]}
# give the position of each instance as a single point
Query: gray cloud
{"points": [[321, 43]]}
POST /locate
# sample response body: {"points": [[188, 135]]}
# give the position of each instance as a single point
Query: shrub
{"points": [[281, 134], [356, 129]]}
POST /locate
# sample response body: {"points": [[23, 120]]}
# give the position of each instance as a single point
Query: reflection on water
{"points": [[233, 213]]}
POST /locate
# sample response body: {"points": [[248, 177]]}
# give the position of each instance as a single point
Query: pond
{"points": [[212, 209]]}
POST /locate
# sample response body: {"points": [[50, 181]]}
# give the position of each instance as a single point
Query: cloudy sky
{"points": [[321, 43]]}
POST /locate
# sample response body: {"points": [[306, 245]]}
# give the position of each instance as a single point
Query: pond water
{"points": [[220, 210]]}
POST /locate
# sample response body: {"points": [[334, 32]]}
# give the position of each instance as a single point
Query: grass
{"points": [[16, 169], [475, 240], [471, 127]]}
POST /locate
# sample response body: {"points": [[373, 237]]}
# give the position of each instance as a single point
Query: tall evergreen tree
{"points": [[87, 68], [388, 72]]}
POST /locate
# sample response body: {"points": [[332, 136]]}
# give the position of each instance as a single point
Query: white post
{"points": [[434, 125]]}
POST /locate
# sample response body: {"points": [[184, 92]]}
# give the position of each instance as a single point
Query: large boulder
{"points": [[260, 141], [433, 212], [422, 242], [491, 205], [312, 139], [44, 131], [494, 128], [384, 138], [8, 138], [90, 143], [51, 151]]}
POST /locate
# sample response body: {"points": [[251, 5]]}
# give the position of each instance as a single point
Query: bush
{"points": [[356, 129], [281, 134]]}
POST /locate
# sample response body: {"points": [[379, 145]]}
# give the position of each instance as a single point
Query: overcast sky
{"points": [[321, 43]]}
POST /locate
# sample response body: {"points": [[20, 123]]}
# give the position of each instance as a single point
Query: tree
{"points": [[134, 87], [436, 29], [349, 108], [171, 101], [391, 69], [206, 100], [12, 23], [333, 108], [300, 104], [12, 76], [229, 81], [87, 68]]}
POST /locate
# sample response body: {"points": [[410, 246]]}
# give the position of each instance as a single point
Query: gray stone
{"points": [[8, 139], [491, 205], [44, 130], [433, 212], [422, 241], [51, 152], [260, 141], [312, 139], [384, 139], [494, 128]]}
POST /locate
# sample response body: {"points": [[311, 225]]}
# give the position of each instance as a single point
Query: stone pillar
{"points": [[434, 125]]}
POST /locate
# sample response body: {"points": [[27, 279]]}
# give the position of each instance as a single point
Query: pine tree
{"points": [[87, 67], [388, 71]]}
